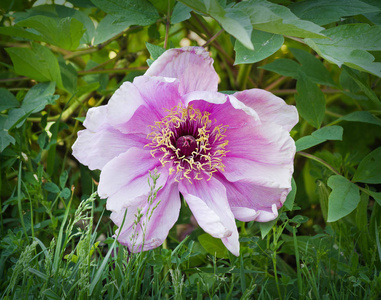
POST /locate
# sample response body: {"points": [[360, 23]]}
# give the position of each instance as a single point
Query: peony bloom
{"points": [[230, 156]]}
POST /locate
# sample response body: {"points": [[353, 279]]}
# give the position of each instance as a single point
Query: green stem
{"points": [[108, 71], [319, 160], [243, 75], [274, 262], [19, 200], [298, 270]]}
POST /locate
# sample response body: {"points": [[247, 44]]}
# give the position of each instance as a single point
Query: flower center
{"points": [[186, 144], [189, 142]]}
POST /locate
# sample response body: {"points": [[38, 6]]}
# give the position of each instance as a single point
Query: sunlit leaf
{"points": [[234, 21], [38, 63], [348, 44], [323, 12], [265, 44], [65, 33], [273, 18]]}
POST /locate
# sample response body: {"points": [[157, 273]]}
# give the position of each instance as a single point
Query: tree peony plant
{"points": [[230, 156]]}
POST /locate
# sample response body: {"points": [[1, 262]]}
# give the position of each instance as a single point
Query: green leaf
{"points": [[320, 136], [235, 21], [65, 33], [265, 44], [180, 13], [69, 76], [313, 67], [51, 187], [266, 227], [154, 50], [361, 116], [106, 29], [289, 203], [323, 12], [16, 117], [344, 198], [273, 18], [213, 246], [376, 196], [5, 139], [363, 85], [38, 97], [348, 44], [21, 33], [38, 63], [369, 169], [283, 66], [310, 67], [7, 100], [140, 12], [310, 101]]}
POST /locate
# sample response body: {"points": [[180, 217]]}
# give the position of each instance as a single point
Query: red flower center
{"points": [[186, 144]]}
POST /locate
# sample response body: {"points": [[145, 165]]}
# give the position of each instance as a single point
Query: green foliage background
{"points": [[60, 58]]}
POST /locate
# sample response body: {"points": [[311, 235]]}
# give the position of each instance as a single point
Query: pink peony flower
{"points": [[230, 156]]}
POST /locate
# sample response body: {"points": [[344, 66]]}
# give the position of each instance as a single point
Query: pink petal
{"points": [[208, 203], [260, 154], [124, 169], [252, 202], [135, 106], [226, 110], [128, 194], [246, 214], [100, 143], [156, 220], [123, 104], [269, 107], [191, 65], [96, 117]]}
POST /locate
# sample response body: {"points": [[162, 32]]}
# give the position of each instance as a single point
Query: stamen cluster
{"points": [[190, 142]]}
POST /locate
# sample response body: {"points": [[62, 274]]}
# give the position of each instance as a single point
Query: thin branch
{"points": [[167, 25], [319, 160], [213, 38]]}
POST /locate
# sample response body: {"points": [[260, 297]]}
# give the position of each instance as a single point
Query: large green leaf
{"points": [[320, 136], [65, 33], [310, 67], [39, 96], [57, 12], [234, 21], [38, 63], [107, 28], [369, 169], [265, 44], [69, 76], [5, 139], [344, 198], [273, 18], [213, 246], [313, 67], [140, 12], [362, 84], [7, 100], [21, 33], [323, 12], [348, 44], [361, 116], [310, 101], [284, 67], [180, 13]]}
